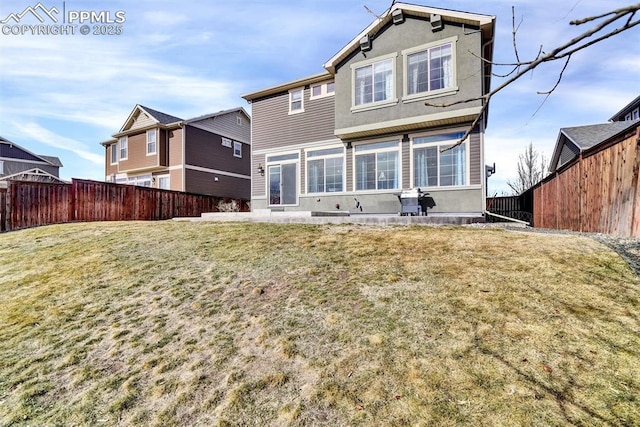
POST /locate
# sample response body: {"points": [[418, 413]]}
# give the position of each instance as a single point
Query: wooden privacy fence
{"points": [[30, 204], [598, 192]]}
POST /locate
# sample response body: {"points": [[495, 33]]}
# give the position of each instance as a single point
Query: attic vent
{"points": [[436, 22], [398, 17], [365, 43]]}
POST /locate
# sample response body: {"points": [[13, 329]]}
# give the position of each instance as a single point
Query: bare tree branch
{"points": [[565, 50]]}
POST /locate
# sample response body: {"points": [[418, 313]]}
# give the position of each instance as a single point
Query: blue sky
{"points": [[62, 95]]}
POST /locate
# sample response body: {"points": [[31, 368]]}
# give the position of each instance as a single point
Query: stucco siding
{"points": [[392, 41]]}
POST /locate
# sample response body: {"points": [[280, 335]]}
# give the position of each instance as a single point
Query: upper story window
{"points": [[1, 167], [433, 167], [123, 142], [430, 69], [373, 81], [152, 141], [113, 152], [237, 149], [296, 101], [239, 121], [322, 89]]}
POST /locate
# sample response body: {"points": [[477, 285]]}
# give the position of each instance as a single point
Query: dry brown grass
{"points": [[182, 324]]}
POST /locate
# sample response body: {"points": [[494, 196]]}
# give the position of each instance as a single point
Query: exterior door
{"points": [[283, 184]]}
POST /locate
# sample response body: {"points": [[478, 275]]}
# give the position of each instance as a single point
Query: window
{"points": [[322, 89], [373, 82], [434, 168], [151, 141], [237, 149], [296, 104], [1, 167], [636, 114], [123, 142], [324, 170], [239, 121], [140, 180], [430, 69], [114, 153], [163, 182], [377, 166]]}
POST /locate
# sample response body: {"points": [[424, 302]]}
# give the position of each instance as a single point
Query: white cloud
{"points": [[39, 133]]}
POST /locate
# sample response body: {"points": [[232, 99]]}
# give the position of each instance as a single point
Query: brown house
{"points": [[208, 155]]}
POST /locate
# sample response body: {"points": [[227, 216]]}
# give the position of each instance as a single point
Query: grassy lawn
{"points": [[185, 324]]}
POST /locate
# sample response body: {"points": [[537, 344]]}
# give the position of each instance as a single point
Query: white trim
{"points": [[397, 149], [126, 139], [323, 90], [370, 62], [239, 145], [216, 171], [291, 148], [1, 167], [467, 158], [155, 130], [433, 93], [408, 121], [343, 154], [113, 148], [297, 161], [291, 92]]}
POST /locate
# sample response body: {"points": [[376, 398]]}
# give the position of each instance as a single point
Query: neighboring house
{"points": [[18, 163], [573, 141], [630, 112], [205, 155], [594, 184], [354, 136]]}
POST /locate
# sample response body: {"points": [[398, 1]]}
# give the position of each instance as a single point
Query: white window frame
{"points": [[324, 90], [1, 167], [113, 153], [123, 147], [392, 100], [425, 48], [292, 110], [155, 142], [159, 179], [358, 151], [308, 159], [439, 145], [239, 121], [237, 149], [273, 159], [145, 180]]}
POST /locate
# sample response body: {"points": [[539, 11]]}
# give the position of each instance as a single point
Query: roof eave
{"points": [[485, 22], [316, 78]]}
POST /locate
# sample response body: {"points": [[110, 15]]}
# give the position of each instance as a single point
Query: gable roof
{"points": [[51, 160], [581, 138], [218, 114], [626, 109], [156, 116], [485, 22]]}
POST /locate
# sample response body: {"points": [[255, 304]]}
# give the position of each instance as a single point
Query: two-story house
{"points": [[18, 163], [208, 155], [355, 135]]}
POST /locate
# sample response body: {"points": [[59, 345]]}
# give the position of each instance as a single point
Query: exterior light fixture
{"points": [[261, 170]]}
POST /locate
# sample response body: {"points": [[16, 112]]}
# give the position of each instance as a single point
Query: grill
{"points": [[413, 202]]}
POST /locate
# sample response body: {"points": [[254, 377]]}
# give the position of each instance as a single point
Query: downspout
{"points": [[485, 190], [184, 158]]}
